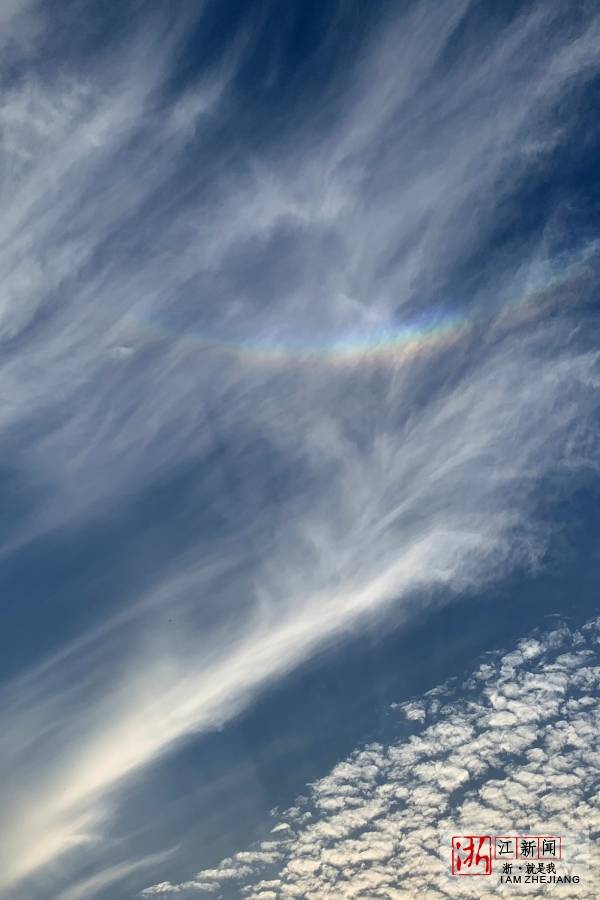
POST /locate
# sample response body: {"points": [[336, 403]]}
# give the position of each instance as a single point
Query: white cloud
{"points": [[89, 887], [463, 771]]}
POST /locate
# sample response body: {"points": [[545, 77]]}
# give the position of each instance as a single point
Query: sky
{"points": [[299, 433]]}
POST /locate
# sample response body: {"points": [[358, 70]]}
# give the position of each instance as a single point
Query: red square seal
{"points": [[472, 854]]}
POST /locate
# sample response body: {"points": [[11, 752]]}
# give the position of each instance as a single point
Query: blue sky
{"points": [[299, 424]]}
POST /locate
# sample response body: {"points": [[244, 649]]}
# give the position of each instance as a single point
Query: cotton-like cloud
{"points": [[288, 324], [514, 747]]}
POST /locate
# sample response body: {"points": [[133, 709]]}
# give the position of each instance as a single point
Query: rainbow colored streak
{"points": [[394, 341]]}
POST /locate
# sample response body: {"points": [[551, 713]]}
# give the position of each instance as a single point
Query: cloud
{"points": [[512, 747], [89, 887], [280, 326]]}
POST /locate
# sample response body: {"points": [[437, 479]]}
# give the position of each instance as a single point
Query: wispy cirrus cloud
{"points": [[179, 302]]}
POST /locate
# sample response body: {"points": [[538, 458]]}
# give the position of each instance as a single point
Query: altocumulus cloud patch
{"points": [[514, 746]]}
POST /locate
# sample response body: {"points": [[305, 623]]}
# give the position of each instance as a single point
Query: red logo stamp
{"points": [[475, 854], [471, 854]]}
